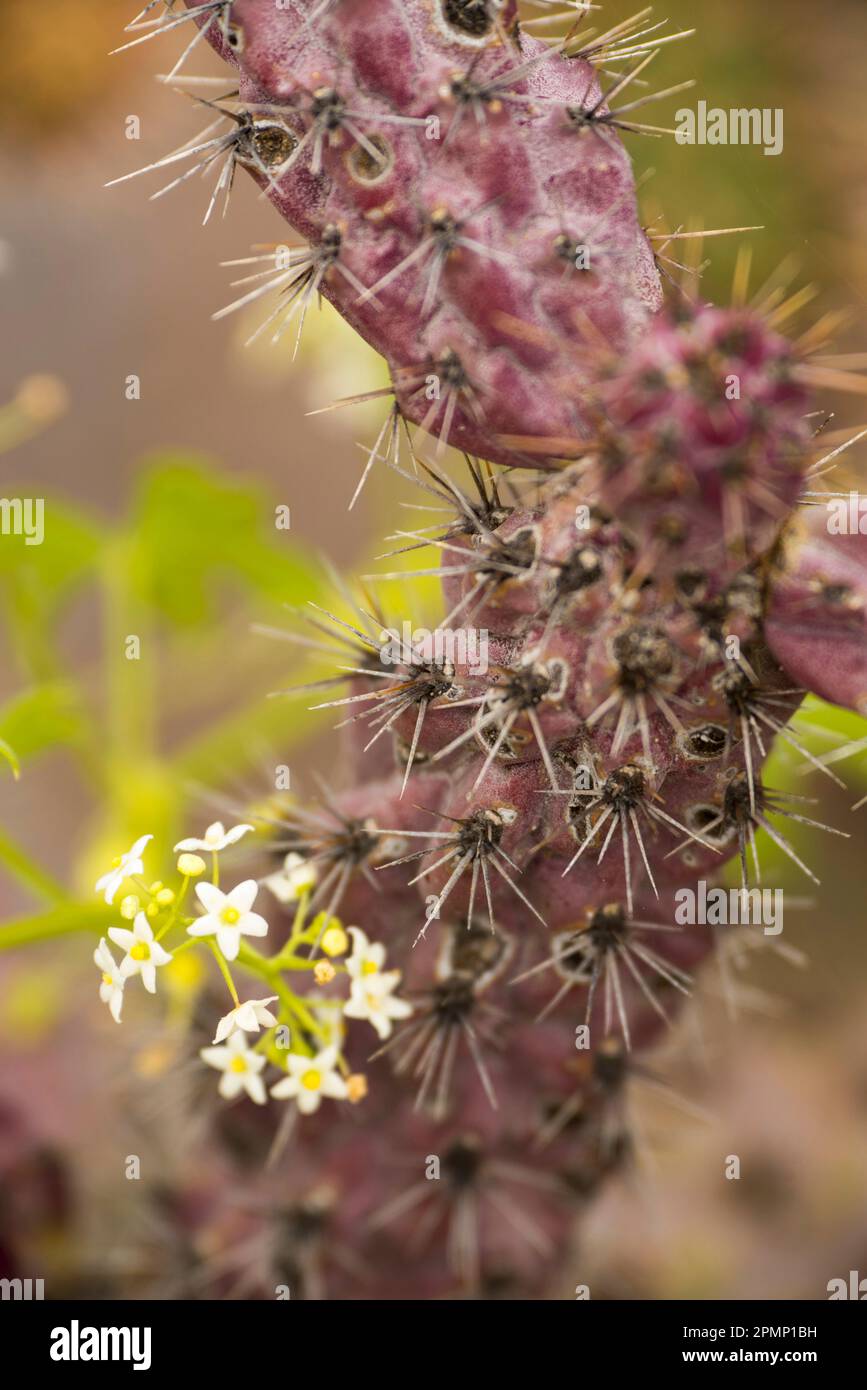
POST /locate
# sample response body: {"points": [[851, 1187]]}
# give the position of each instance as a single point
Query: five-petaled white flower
{"points": [[143, 954], [112, 983], [240, 1067], [215, 838], [368, 957], [295, 877], [247, 1018], [329, 1015], [228, 916], [311, 1078], [124, 867], [372, 998]]}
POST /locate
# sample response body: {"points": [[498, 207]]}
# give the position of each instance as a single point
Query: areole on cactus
{"points": [[655, 608]]}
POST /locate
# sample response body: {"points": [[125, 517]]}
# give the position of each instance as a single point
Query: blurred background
{"points": [[160, 518]]}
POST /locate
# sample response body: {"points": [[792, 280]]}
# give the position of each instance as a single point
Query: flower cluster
{"points": [[300, 1035], [653, 613]]}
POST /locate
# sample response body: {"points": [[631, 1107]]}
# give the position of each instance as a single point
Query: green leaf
{"points": [[197, 531], [36, 581], [48, 572], [37, 719], [824, 729]]}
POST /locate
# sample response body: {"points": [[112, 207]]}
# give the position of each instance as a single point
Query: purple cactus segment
{"points": [[529, 793], [485, 235], [706, 439], [817, 615]]}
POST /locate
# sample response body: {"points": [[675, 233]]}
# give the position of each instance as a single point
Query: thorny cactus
{"points": [[654, 608]]}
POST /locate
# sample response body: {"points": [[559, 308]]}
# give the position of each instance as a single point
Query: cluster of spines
{"points": [[546, 808]]}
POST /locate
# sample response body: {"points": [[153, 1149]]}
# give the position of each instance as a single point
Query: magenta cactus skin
{"points": [[709, 416], [817, 614], [654, 618], [493, 306]]}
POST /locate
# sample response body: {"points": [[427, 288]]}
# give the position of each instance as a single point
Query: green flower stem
{"points": [[225, 972], [300, 935], [176, 907], [275, 1055], [254, 961], [291, 962], [269, 971], [8, 754], [310, 1024], [70, 918], [185, 945], [300, 917], [130, 683], [64, 920]]}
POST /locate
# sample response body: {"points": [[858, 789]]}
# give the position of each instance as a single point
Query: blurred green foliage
{"points": [[197, 550], [191, 529], [198, 559]]}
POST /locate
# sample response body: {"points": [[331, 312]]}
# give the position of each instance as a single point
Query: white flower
{"points": [[126, 866], [295, 877], [248, 1017], [143, 954], [329, 1015], [228, 916], [368, 957], [240, 1067], [372, 998], [215, 838], [311, 1078], [112, 983]]}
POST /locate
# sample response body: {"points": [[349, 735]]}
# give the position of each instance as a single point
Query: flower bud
{"points": [[191, 865]]}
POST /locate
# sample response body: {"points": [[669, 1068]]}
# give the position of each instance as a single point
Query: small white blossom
{"points": [[311, 1078], [228, 916], [295, 877], [124, 867], [372, 998], [143, 954], [215, 838], [328, 1013], [112, 983], [248, 1018], [368, 957], [240, 1067]]}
